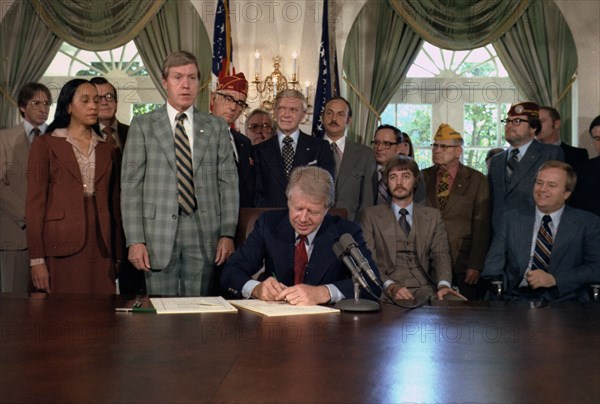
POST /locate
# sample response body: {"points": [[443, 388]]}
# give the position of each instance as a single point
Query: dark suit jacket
{"points": [[356, 183], [273, 240], [466, 216], [54, 209], [587, 191], [122, 130], [574, 261], [518, 193], [271, 180], [574, 156], [245, 168]]}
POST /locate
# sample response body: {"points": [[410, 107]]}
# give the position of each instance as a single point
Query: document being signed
{"points": [[274, 309]]}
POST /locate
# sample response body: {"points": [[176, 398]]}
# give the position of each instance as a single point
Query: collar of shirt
{"points": [[341, 142], [555, 216], [409, 208], [28, 127], [294, 137], [522, 150]]}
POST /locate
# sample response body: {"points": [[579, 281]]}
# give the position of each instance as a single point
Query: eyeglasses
{"points": [[256, 126], [444, 147], [514, 122], [109, 97], [383, 144], [229, 99], [39, 104]]}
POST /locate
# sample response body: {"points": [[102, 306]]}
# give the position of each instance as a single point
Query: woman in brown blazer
{"points": [[72, 209]]}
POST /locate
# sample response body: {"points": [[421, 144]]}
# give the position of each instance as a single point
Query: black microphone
{"points": [[351, 247], [340, 252]]}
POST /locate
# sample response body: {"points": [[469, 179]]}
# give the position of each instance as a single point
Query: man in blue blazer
{"points": [[281, 237], [573, 258], [270, 164], [512, 172], [179, 184]]}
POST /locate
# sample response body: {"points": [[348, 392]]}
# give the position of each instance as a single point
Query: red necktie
{"points": [[300, 260]]}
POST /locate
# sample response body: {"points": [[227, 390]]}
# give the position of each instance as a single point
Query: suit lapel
{"points": [[284, 251], [385, 222], [65, 156], [162, 130], [461, 182], [526, 164], [303, 151], [522, 234], [202, 138], [348, 160], [103, 161], [323, 241], [421, 223], [567, 228]]}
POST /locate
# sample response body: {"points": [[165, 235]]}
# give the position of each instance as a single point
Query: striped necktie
{"points": [[185, 178], [383, 195], [337, 156], [543, 245], [300, 260], [512, 163]]}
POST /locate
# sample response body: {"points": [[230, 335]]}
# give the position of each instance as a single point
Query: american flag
{"points": [[327, 85], [222, 56]]}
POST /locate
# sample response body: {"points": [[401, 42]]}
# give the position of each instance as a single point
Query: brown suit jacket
{"points": [[55, 207], [378, 225], [466, 216], [14, 149]]}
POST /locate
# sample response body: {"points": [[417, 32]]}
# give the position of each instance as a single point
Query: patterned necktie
{"points": [[287, 152], [110, 139], [185, 178], [443, 188], [300, 260], [235, 156], [337, 156], [543, 245], [383, 195], [403, 222], [512, 163]]}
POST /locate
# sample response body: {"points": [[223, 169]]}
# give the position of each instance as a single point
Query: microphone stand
{"points": [[357, 304]]}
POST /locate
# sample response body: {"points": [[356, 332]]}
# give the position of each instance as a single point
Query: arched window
{"points": [[122, 66], [470, 90]]}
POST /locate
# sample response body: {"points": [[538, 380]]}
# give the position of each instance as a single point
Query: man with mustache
{"points": [[355, 176], [408, 241]]}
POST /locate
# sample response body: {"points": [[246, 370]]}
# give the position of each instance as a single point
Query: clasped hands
{"points": [[298, 295]]}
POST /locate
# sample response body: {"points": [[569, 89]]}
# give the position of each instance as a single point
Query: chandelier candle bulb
{"points": [[294, 63], [256, 63]]}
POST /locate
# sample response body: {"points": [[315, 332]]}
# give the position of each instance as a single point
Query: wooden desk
{"points": [[77, 349]]}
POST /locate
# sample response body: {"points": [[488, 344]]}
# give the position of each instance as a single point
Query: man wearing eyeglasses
{"points": [[462, 196], [228, 102], [34, 101], [131, 281], [259, 126], [512, 172], [388, 144], [113, 131]]}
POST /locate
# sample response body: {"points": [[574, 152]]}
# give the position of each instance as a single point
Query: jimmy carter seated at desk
{"points": [[296, 246]]}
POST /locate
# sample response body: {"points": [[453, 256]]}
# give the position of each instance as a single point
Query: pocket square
{"points": [[312, 163]]}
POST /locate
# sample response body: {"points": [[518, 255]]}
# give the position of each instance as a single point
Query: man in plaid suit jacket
{"points": [[178, 249]]}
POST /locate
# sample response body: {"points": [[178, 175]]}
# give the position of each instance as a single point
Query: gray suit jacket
{"points": [[574, 261], [466, 216], [355, 184], [518, 193], [378, 225], [14, 150], [149, 184]]}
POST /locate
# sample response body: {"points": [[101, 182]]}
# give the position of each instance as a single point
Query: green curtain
{"points": [[27, 48], [376, 71], [460, 24], [177, 27], [540, 56], [97, 25]]}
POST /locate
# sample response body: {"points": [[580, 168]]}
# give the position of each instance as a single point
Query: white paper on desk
{"points": [[275, 309], [180, 305]]}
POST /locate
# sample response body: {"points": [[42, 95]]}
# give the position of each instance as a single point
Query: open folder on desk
{"points": [[181, 305], [275, 309]]}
